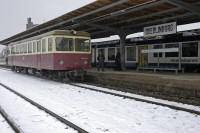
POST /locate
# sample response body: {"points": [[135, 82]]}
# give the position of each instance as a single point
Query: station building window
{"points": [[157, 47], [50, 44], [29, 47], [64, 44], [39, 46], [82, 45], [131, 53], [172, 54], [190, 49], [43, 45], [34, 47], [101, 51], [111, 54]]}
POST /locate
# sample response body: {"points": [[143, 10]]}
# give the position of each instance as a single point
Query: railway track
{"points": [[10, 122], [129, 97], [59, 118]]}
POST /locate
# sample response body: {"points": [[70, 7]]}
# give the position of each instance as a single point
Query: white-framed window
{"points": [[172, 54], [111, 54], [34, 46], [131, 53], [158, 46], [50, 44], [43, 45], [29, 47], [38, 46], [190, 49]]}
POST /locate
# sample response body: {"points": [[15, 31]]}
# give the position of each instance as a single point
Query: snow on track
{"points": [[4, 126], [98, 112], [28, 117]]}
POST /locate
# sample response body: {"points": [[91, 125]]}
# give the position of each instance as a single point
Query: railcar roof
{"points": [[104, 18], [56, 32]]}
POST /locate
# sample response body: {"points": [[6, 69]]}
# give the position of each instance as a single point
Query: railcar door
{"points": [[142, 57], [38, 61]]}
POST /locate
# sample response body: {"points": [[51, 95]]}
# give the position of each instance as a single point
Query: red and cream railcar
{"points": [[55, 51]]}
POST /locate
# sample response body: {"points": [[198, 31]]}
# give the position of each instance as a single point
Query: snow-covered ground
{"points": [[28, 117], [186, 106], [4, 127], [98, 112]]}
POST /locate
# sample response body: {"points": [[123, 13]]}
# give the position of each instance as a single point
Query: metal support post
{"points": [[122, 50], [180, 55]]}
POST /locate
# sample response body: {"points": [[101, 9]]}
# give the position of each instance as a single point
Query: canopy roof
{"points": [[104, 18]]}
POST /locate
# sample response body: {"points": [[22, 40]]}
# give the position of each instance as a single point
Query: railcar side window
{"points": [[39, 46], [21, 49], [25, 48], [190, 49], [34, 47], [82, 45], [43, 45], [64, 44], [172, 54], [111, 54], [131, 53], [50, 44], [12, 50], [29, 47]]}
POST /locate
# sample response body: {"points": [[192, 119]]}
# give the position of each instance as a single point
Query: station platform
{"points": [[181, 87]]}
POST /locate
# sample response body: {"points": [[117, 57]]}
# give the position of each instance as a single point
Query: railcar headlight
{"points": [[61, 62], [85, 62]]}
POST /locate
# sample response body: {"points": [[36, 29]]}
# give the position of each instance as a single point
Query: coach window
{"points": [[25, 48], [82, 45], [21, 49], [190, 49], [111, 54], [43, 45], [39, 46], [172, 54], [50, 44], [34, 47], [64, 44], [131, 53], [157, 47], [29, 47], [17, 49]]}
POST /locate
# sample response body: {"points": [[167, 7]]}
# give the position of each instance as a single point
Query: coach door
{"points": [[39, 54], [142, 57]]}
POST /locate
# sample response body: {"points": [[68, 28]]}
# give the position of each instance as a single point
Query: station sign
{"points": [[162, 29]]}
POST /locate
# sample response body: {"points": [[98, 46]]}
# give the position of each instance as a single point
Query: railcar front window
{"points": [[64, 44], [82, 45]]}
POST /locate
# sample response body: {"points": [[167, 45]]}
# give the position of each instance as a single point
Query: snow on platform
{"points": [[28, 117], [186, 106], [4, 127], [99, 113]]}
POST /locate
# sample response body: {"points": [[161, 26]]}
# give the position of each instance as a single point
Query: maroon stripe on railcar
{"points": [[72, 61]]}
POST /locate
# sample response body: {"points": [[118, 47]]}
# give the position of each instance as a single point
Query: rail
{"points": [[61, 119]]}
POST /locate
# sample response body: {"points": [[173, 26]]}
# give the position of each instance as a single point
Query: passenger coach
{"points": [[56, 52], [187, 54]]}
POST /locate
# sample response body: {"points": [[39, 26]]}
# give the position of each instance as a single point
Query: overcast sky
{"points": [[14, 13]]}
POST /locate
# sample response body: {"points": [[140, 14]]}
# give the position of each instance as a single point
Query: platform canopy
{"points": [[104, 18]]}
